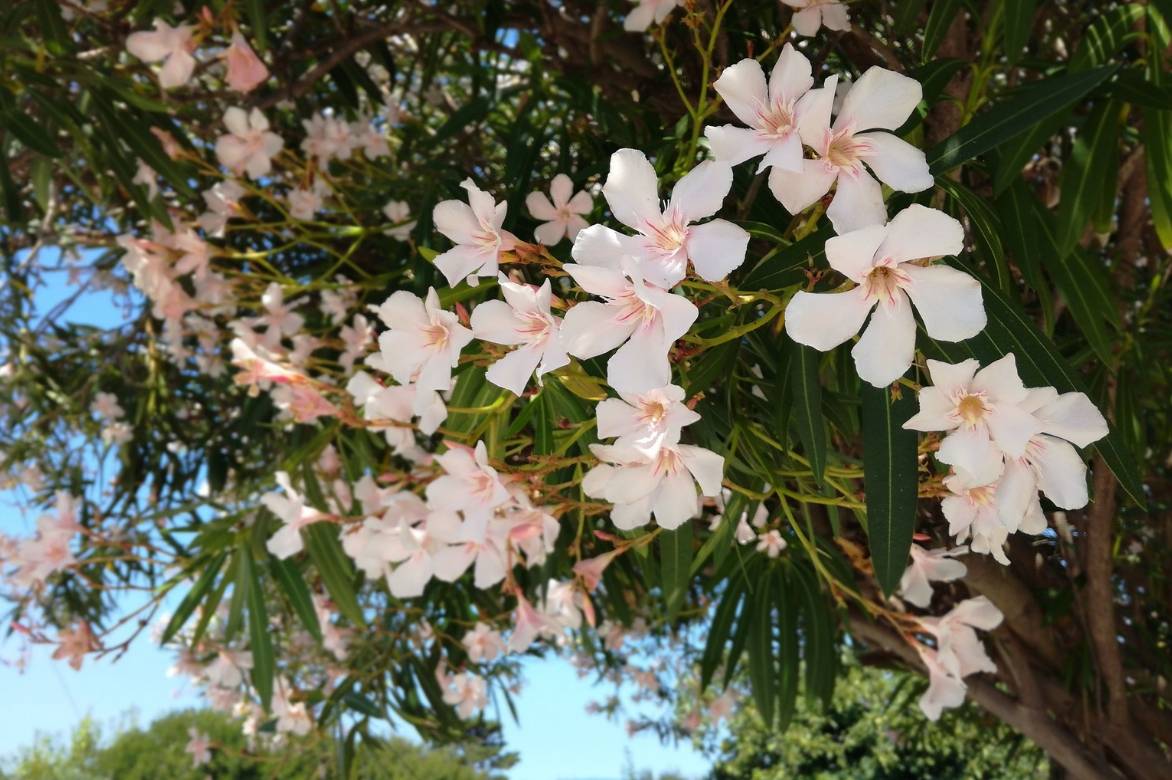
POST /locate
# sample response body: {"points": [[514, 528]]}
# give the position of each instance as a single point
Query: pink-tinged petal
{"points": [[524, 298], [1016, 491], [701, 192], [1073, 417], [675, 311], [799, 191], [919, 232], [285, 542], [494, 321], [705, 465], [550, 233], [977, 612], [574, 226], [600, 246], [236, 120], [1062, 474], [825, 320], [628, 517], [640, 364], [813, 113], [582, 203], [807, 21], [1011, 428], [853, 254], [950, 378], [482, 204], [888, 346], [971, 451], [733, 145], [936, 412], [435, 374], [596, 479], [560, 189], [716, 248], [743, 88], [835, 17], [858, 202], [632, 189], [591, 329], [1000, 381], [177, 70], [675, 501], [553, 357], [539, 207], [640, 18], [598, 280], [461, 261], [151, 46], [949, 301], [403, 310], [880, 100], [512, 372], [791, 77], [490, 568], [409, 578], [452, 561], [616, 418], [455, 220], [632, 483], [897, 163], [785, 153]]}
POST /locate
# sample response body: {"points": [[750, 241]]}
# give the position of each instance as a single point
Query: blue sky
{"points": [[51, 697]]}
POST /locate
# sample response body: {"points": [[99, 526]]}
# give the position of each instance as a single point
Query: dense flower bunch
{"points": [[430, 458]]}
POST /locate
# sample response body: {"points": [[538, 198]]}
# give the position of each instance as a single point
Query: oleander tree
{"points": [[700, 342]]}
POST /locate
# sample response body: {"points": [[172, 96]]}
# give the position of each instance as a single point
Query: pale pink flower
{"points": [[668, 240], [302, 402], [929, 566], [423, 344], [591, 569], [641, 320], [945, 691], [483, 643], [227, 670], [249, 146], [466, 692], [881, 100], [982, 411], [199, 746], [958, 649], [246, 72], [469, 484], [304, 204], [106, 406], [292, 718], [49, 551], [646, 12], [664, 485], [645, 421], [770, 110], [973, 515], [396, 404], [879, 260], [74, 643], [223, 203], [771, 543], [147, 177], [290, 508], [523, 319], [528, 625], [399, 213], [562, 218], [475, 229], [809, 15], [327, 138], [173, 46]]}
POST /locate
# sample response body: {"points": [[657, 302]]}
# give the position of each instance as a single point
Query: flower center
{"points": [[983, 495], [844, 150], [564, 214], [654, 412], [971, 409], [436, 336], [883, 281], [777, 120], [668, 237]]}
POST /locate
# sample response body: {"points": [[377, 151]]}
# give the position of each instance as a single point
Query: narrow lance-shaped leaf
{"points": [[260, 643], [675, 555], [890, 481], [325, 551], [1083, 181], [807, 406]]}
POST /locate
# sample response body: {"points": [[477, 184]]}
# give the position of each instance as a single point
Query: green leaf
{"points": [[1026, 107], [761, 672], [675, 567], [256, 20], [1040, 364], [292, 585], [781, 267], [321, 540], [1019, 21], [133, 130], [194, 596], [1013, 155], [890, 481], [788, 652], [906, 14], [1083, 177], [1026, 243], [720, 630], [53, 29], [940, 18], [1109, 33], [807, 406], [260, 643], [29, 133], [987, 225]]}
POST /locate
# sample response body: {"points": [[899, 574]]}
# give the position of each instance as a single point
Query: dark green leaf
{"points": [[720, 630], [321, 540], [1019, 20], [1113, 28], [292, 584], [762, 678], [193, 598], [256, 19], [807, 406], [1083, 177], [675, 562], [1006, 120], [260, 643], [780, 268], [890, 480], [940, 18]]}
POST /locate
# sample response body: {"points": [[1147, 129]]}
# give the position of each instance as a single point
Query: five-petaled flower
{"points": [[523, 320], [564, 216], [475, 228]]}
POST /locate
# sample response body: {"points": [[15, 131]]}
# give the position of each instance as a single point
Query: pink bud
{"points": [[590, 569], [245, 70]]}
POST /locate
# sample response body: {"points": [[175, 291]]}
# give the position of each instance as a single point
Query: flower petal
{"points": [[853, 254], [560, 189], [813, 113], [919, 232], [716, 248], [1062, 475], [705, 465], [550, 233], [798, 191], [897, 163], [888, 345], [455, 219], [539, 206], [743, 88], [1000, 381], [675, 501], [880, 100], [591, 329], [632, 189], [825, 320], [791, 76], [733, 145], [1073, 417], [701, 192], [858, 202], [1011, 428], [949, 301], [599, 246], [512, 372], [494, 321]]}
